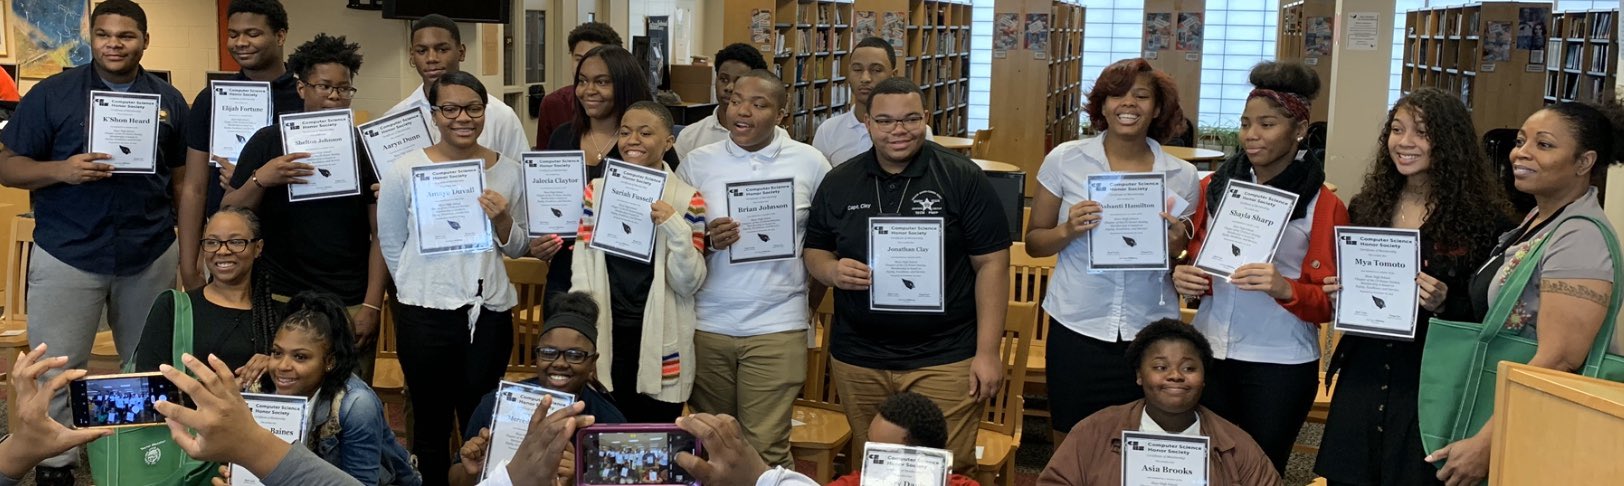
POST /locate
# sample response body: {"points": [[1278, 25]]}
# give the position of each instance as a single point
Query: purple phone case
{"points": [[580, 440]]}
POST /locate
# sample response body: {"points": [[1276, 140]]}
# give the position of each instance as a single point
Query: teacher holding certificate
{"points": [[1098, 312], [1428, 177], [646, 320], [1263, 317], [452, 309]]}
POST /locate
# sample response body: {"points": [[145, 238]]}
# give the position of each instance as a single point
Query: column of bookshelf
{"points": [[1580, 56], [1304, 34], [937, 56], [1492, 55], [1065, 92], [805, 42]]}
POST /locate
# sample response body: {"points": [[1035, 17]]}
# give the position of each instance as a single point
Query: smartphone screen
{"points": [[642, 457], [120, 400]]}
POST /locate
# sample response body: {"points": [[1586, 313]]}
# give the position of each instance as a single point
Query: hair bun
{"points": [[1287, 77]]}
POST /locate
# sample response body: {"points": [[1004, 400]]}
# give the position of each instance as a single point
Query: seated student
{"points": [[315, 357], [566, 356], [233, 316], [1170, 360], [909, 419]]}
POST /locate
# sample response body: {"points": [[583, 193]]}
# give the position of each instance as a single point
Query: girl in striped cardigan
{"points": [[646, 323]]}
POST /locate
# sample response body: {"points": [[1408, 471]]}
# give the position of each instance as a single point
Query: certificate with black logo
{"points": [[1377, 268], [625, 225], [239, 109], [1246, 228], [125, 126], [554, 186], [329, 137], [445, 208], [765, 212], [906, 264]]}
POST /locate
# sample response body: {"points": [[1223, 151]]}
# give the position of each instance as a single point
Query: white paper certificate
{"points": [[554, 185], [1132, 234], [239, 109], [900, 465], [624, 227], [389, 138], [510, 420], [445, 208], [1377, 268], [1151, 459], [329, 137], [1246, 228], [906, 264], [765, 212], [283, 415], [125, 126]]}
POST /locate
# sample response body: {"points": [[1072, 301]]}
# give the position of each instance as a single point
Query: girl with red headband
{"points": [[1263, 318]]}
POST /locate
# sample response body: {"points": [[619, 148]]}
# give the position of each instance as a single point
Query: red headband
{"points": [[1296, 105]]}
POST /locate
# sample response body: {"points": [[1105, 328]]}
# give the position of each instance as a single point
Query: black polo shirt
{"points": [[938, 182], [114, 226], [284, 99], [323, 244]]}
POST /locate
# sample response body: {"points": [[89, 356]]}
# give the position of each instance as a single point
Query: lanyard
{"points": [[899, 197]]}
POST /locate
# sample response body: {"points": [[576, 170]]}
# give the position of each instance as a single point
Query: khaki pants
{"points": [[755, 379], [863, 389], [365, 357]]}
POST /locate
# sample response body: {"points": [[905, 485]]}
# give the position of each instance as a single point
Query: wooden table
{"points": [[953, 143], [1197, 156], [995, 166]]}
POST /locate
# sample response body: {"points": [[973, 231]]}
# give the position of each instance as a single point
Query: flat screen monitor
{"points": [[219, 75], [1011, 190], [477, 11]]}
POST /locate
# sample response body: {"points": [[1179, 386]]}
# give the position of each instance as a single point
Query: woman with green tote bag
{"points": [[1546, 297]]}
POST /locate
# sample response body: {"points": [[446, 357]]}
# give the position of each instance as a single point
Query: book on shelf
{"points": [[1598, 57], [1574, 52], [1602, 28], [1570, 86], [1552, 61]]}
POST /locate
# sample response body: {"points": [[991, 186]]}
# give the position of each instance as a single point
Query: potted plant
{"points": [[1221, 137]]}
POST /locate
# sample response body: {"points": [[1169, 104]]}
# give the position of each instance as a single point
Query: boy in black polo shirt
{"points": [[255, 32], [325, 244], [103, 242], [878, 354]]}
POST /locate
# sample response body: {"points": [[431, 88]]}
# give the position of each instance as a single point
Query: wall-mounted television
{"points": [[479, 11]]}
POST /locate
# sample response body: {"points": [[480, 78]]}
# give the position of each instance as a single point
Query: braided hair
{"points": [[326, 320], [264, 313]]}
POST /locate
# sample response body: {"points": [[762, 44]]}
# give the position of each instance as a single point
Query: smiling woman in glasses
{"points": [[233, 316], [566, 355]]}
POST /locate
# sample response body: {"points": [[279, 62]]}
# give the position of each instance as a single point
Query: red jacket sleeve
{"points": [[1199, 222], [1308, 300]]}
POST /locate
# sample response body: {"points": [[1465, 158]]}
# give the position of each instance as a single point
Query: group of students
{"points": [[288, 295], [121, 407]]}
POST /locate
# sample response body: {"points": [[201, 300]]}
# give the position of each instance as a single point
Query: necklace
{"points": [[900, 197], [603, 147]]}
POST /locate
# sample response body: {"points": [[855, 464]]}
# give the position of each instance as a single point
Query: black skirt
{"points": [[1371, 435]]}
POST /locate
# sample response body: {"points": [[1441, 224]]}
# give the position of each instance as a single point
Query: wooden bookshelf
{"points": [[1472, 51], [1304, 32], [1173, 41], [1581, 56], [937, 56], [1025, 128], [805, 43]]}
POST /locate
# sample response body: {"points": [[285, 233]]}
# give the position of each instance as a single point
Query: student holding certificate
{"points": [[1431, 178], [1099, 312], [255, 33], [314, 356], [100, 238], [754, 307], [607, 82], [566, 356], [940, 272], [1264, 316], [452, 308], [646, 309], [324, 245], [912, 420], [1171, 362]]}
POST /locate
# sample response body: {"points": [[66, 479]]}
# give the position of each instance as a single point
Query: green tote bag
{"points": [[147, 456], [1459, 361]]}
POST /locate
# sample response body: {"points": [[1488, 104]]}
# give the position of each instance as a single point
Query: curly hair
{"points": [[122, 8], [1168, 330], [325, 49], [275, 16], [1463, 199], [594, 32], [741, 53], [1118, 78], [923, 420], [325, 318]]}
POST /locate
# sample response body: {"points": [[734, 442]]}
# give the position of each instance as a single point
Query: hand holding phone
{"points": [[37, 436], [731, 460], [633, 454], [117, 401], [538, 456]]}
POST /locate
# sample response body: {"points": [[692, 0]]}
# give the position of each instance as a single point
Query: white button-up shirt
{"points": [[843, 137], [1250, 325], [752, 299], [503, 131]]}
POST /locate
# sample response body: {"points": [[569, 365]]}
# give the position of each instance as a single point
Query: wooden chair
{"points": [[1000, 431], [529, 277], [981, 143], [16, 311], [1028, 282], [821, 430], [388, 381]]}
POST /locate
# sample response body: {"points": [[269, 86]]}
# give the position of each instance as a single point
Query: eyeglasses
{"points": [[548, 354], [345, 92], [888, 124], [236, 245], [476, 110]]}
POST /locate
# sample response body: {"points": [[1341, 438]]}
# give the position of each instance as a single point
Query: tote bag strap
{"points": [[1512, 290], [1598, 348], [180, 340]]}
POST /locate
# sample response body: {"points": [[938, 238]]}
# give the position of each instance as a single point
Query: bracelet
{"points": [[370, 306], [255, 179]]}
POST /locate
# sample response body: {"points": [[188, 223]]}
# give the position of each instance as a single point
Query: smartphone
{"points": [[114, 401], [633, 454]]}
